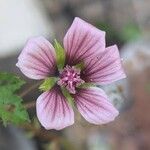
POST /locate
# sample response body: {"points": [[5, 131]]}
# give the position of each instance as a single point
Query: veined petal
{"points": [[105, 68], [37, 59], [83, 41], [53, 110], [94, 106]]}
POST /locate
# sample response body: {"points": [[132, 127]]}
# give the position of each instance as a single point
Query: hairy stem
{"points": [[28, 90], [41, 133], [30, 105]]}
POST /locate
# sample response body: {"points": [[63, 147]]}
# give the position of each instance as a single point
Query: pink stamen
{"points": [[70, 78]]}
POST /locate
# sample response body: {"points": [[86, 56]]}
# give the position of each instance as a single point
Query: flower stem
{"points": [[28, 90], [30, 105], [41, 133]]}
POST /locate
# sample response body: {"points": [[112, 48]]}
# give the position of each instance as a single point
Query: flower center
{"points": [[70, 78]]}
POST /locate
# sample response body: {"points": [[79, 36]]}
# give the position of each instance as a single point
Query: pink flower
{"points": [[82, 43]]}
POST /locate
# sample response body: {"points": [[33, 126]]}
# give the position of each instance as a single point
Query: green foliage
{"points": [[48, 83], [111, 34], [130, 32], [11, 107], [60, 55], [10, 82], [67, 145]]}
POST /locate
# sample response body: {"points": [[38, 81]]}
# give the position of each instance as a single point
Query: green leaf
{"points": [[68, 96], [11, 107], [60, 55], [10, 82], [48, 83], [80, 66]]}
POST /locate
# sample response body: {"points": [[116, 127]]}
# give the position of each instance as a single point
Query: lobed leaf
{"points": [[10, 82], [11, 107]]}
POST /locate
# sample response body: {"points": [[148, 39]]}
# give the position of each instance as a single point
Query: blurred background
{"points": [[127, 24]]}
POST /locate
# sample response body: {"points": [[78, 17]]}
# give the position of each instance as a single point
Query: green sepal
{"points": [[80, 65], [48, 83], [87, 85], [68, 96], [60, 55]]}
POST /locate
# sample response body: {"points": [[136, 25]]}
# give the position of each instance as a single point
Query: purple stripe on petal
{"points": [[43, 47], [37, 60], [105, 68], [82, 40], [85, 111], [47, 104], [94, 106], [53, 110], [40, 60], [86, 49], [71, 38]]}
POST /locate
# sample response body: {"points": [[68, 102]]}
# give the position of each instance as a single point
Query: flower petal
{"points": [[105, 68], [94, 106], [53, 110], [37, 60], [83, 41]]}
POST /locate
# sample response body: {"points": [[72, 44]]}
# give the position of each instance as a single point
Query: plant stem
{"points": [[41, 133], [30, 105], [28, 90]]}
